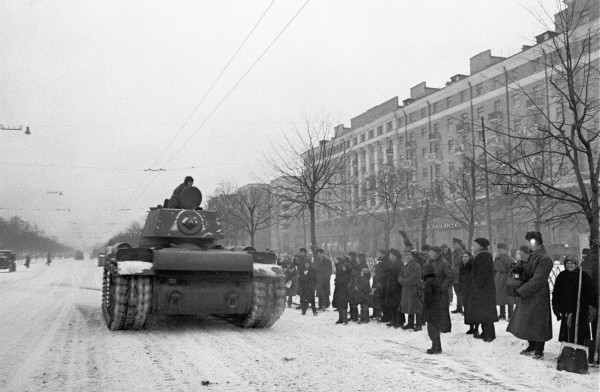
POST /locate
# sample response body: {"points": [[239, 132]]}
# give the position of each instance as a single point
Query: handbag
{"points": [[513, 282]]}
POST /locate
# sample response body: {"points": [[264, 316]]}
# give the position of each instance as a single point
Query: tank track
{"points": [[126, 300], [268, 302]]}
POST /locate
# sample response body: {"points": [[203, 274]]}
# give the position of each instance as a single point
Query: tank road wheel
{"points": [[115, 298], [268, 303]]}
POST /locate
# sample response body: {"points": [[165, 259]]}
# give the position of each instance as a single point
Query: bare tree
{"points": [[311, 170], [222, 202], [384, 197], [251, 207]]}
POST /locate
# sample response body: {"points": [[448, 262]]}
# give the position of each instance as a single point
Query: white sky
{"points": [[106, 85]]}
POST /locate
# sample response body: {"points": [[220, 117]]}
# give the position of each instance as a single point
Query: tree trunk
{"points": [[252, 239], [313, 228], [471, 235], [424, 224], [594, 224], [386, 236]]}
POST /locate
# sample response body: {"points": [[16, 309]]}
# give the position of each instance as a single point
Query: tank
{"points": [[180, 269]]}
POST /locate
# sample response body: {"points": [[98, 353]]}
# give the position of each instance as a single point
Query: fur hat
{"points": [[502, 245], [428, 269], [457, 240], [303, 250], [320, 251], [362, 256], [534, 235], [482, 241], [434, 248], [188, 178], [396, 253]]}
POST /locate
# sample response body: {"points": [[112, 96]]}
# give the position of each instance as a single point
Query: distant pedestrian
{"points": [[300, 261], [564, 302], [445, 276], [482, 293], [324, 271], [342, 282], [308, 282], [432, 308], [502, 264], [48, 259], [27, 261], [531, 319]]}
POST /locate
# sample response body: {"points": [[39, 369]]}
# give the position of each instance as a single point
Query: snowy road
{"points": [[54, 339]]}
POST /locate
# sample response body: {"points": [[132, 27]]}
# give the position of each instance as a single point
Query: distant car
{"points": [[101, 258], [78, 255], [7, 260]]}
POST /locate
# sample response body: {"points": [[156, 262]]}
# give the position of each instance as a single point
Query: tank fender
{"points": [[134, 267], [268, 271]]}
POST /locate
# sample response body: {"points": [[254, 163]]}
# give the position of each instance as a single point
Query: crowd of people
{"points": [[410, 289]]}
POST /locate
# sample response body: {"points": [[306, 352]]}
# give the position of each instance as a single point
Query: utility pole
{"points": [[487, 184]]}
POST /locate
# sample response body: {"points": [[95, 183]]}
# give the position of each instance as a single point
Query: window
{"points": [[448, 102], [464, 117], [355, 141], [451, 146], [479, 89], [371, 134], [517, 125], [425, 173], [436, 129], [400, 122], [401, 140], [516, 99], [498, 106], [423, 114], [423, 152], [388, 127], [437, 170], [479, 112], [410, 118], [380, 130], [451, 167], [462, 96], [362, 138], [423, 132], [435, 107]]}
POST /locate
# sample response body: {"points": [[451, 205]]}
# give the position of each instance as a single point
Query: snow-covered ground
{"points": [[53, 338]]}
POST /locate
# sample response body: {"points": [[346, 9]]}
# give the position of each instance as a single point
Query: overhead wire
{"points": [[205, 95], [227, 95]]}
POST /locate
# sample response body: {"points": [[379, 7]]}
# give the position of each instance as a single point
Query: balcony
{"points": [[389, 151], [534, 104], [434, 137], [461, 127], [434, 158], [495, 117]]}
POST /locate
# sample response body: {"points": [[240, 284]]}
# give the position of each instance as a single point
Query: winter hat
{"points": [[482, 241], [428, 269], [362, 256], [396, 253], [502, 245], [457, 240], [534, 235], [524, 248], [365, 271], [434, 248], [303, 250], [571, 259], [320, 251], [352, 253], [188, 178]]}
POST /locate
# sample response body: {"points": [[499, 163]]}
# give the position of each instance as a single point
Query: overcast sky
{"points": [[107, 86]]}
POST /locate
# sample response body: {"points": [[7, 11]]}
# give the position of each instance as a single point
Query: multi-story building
{"points": [[428, 133]]}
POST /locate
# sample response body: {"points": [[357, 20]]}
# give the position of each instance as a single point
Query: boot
{"points": [[344, 316]]}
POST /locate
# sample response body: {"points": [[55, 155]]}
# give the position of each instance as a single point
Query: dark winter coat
{"points": [[393, 293], [324, 271], [291, 279], [532, 317], [564, 301], [174, 201], [412, 291], [432, 300], [360, 266], [342, 291], [456, 263], [307, 282], [502, 265], [445, 276], [360, 290], [465, 287], [482, 292]]}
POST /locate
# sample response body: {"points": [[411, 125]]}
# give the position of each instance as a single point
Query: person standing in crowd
{"points": [[432, 308], [357, 268], [342, 283], [375, 291], [352, 259], [48, 259], [458, 250], [564, 302], [447, 255], [393, 295], [308, 283], [339, 264], [411, 302], [502, 265], [324, 271], [482, 294], [357, 295], [443, 272], [365, 290], [592, 270], [300, 261], [383, 272], [362, 263], [531, 319], [291, 276], [465, 288]]}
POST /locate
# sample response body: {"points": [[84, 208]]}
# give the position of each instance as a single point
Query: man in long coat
{"points": [[324, 270], [411, 302], [502, 264], [482, 294], [458, 250], [393, 294], [445, 276], [531, 319]]}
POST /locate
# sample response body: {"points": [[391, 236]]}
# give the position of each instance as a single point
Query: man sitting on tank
{"points": [[174, 201]]}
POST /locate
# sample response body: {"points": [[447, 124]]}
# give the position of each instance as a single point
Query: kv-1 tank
{"points": [[179, 269]]}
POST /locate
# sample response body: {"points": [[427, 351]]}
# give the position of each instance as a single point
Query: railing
{"points": [[495, 116], [434, 136], [434, 158]]}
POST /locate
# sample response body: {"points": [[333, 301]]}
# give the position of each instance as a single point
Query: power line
{"points": [[205, 95], [106, 168], [228, 93]]}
